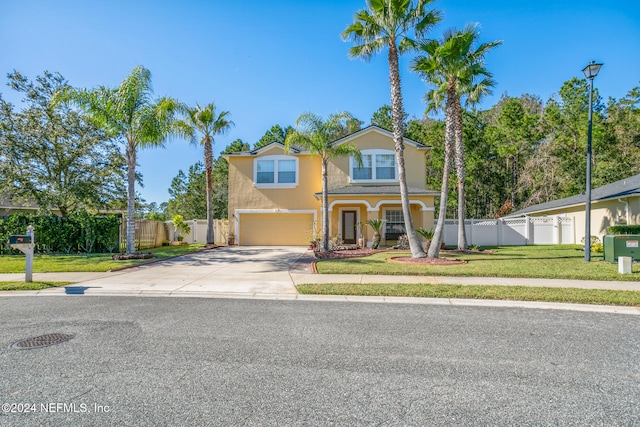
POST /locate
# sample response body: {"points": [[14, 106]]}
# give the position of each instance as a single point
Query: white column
{"points": [[29, 253]]}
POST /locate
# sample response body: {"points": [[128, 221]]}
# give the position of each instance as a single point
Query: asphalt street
{"points": [[138, 361]]}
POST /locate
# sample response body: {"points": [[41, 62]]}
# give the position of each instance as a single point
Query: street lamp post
{"points": [[590, 72]]}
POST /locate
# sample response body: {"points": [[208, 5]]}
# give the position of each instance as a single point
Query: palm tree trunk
{"points": [[208, 162], [449, 136], [460, 171], [131, 196], [325, 207], [397, 115]]}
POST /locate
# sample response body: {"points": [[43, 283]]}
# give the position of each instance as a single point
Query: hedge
{"points": [[77, 233], [624, 229]]}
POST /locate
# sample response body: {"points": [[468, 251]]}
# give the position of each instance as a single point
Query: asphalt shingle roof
{"points": [[623, 188], [378, 190]]}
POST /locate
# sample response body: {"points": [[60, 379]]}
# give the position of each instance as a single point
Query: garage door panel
{"points": [[277, 229]]}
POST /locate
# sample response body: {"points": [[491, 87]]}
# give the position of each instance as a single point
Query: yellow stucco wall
{"points": [[244, 195], [415, 165], [420, 217]]}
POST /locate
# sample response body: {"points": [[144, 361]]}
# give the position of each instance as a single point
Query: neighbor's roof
{"points": [[6, 202], [619, 189], [377, 190]]}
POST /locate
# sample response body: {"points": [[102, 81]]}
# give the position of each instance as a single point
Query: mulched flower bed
{"points": [[359, 252], [348, 253], [429, 261], [137, 255], [468, 251]]}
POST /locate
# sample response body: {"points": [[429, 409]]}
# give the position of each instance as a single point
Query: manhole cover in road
{"points": [[41, 341]]}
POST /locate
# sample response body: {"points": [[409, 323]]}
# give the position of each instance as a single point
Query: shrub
{"points": [[180, 225], [596, 245], [427, 234], [403, 242], [624, 229]]}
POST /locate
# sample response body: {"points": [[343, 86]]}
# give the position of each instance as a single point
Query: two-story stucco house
{"points": [[275, 197]]}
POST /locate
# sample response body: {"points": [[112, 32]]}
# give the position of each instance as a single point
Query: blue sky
{"points": [[268, 62]]}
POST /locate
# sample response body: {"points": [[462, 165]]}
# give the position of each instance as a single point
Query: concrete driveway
{"points": [[231, 270]]}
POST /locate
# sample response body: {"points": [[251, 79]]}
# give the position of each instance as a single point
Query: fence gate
{"points": [[198, 233]]}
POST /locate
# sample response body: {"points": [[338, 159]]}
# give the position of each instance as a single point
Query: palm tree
{"points": [[204, 121], [376, 224], [387, 23], [128, 113], [317, 136], [457, 70]]}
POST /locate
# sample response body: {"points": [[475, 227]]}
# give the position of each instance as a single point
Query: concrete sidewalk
{"points": [[454, 280], [274, 273], [165, 277]]}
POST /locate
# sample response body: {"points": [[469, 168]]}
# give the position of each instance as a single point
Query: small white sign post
{"points": [[26, 247]]}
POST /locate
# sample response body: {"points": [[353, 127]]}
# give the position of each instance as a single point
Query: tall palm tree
{"points": [[388, 23], [317, 136], [205, 121], [128, 113], [456, 68]]}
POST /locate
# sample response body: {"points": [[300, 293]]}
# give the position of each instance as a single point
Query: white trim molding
{"points": [[351, 201], [356, 209], [373, 153], [239, 212], [275, 158], [425, 208]]}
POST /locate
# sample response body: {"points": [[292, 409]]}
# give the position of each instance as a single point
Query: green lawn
{"points": [[512, 293], [93, 262], [553, 261], [31, 286]]}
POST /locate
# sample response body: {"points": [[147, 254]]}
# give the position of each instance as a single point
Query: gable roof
{"points": [[344, 139], [261, 150], [376, 129], [624, 188], [271, 145]]}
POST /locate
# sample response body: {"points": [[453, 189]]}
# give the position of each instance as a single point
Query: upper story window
{"points": [[377, 165], [275, 172]]}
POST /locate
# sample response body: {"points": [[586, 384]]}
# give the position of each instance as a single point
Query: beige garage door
{"points": [[278, 229]]}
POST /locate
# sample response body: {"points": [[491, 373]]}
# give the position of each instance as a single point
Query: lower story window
{"points": [[393, 224]]}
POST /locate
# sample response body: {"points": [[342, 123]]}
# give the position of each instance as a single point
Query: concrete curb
{"points": [[60, 292]]}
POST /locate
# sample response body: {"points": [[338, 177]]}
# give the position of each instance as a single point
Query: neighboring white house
{"points": [[613, 204]]}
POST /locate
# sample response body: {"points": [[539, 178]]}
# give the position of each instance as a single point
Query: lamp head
{"points": [[591, 70]]}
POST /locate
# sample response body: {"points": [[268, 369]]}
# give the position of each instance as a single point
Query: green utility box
{"points": [[14, 240], [621, 245]]}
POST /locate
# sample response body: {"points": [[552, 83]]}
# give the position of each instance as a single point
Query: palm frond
{"points": [[426, 21], [453, 62]]}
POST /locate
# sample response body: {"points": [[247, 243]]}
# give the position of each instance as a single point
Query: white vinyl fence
{"points": [[513, 231], [198, 232]]}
